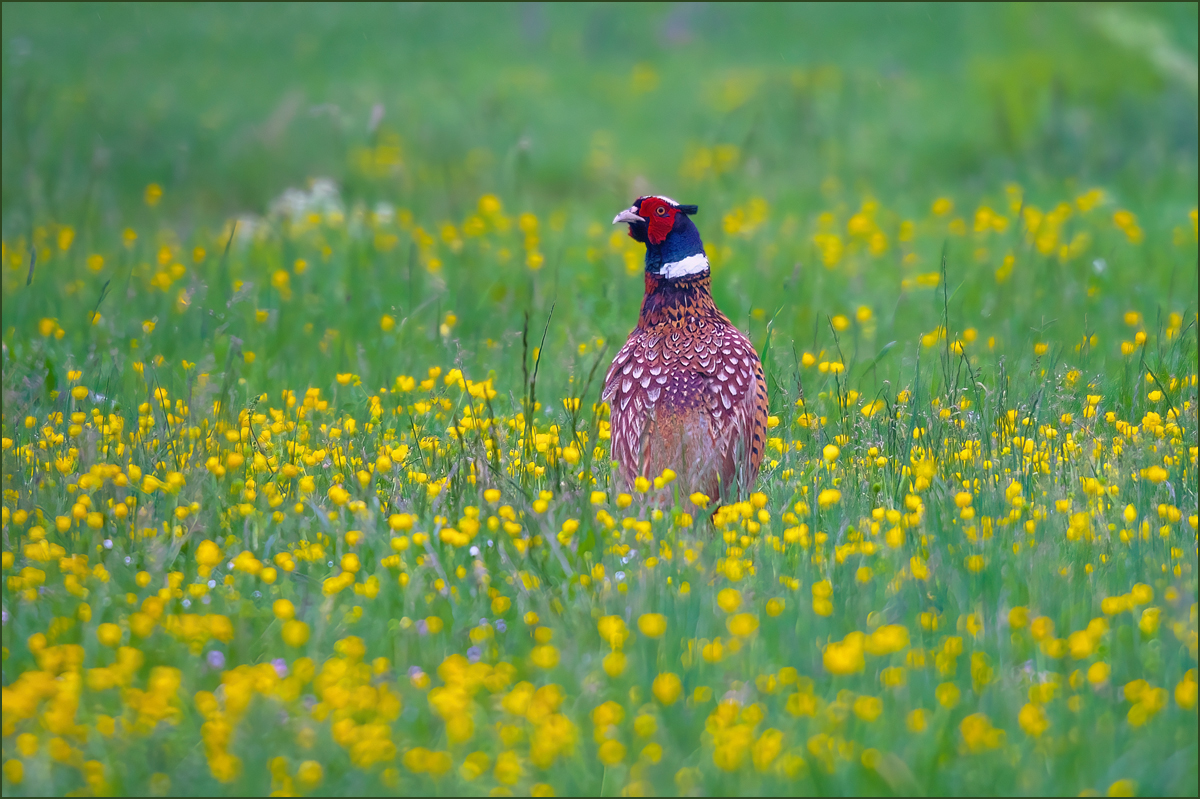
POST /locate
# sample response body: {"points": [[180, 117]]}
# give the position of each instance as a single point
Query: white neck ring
{"points": [[692, 265]]}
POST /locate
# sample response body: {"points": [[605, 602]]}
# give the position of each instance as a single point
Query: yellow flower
{"points": [[729, 599], [309, 775], [438, 763], [766, 749], [109, 634], [887, 639], [295, 633], [872, 408], [713, 652], [612, 752], [775, 606], [208, 554], [802, 704], [224, 766], [846, 656], [1185, 691], [651, 752], [917, 720], [508, 769], [14, 771], [613, 630], [1081, 645], [1123, 788], [1041, 628], [1033, 721], [1148, 622], [27, 744], [1098, 673], [652, 625], [979, 734], [822, 592], [544, 657], [489, 205], [614, 664], [868, 708], [645, 725], [947, 694], [732, 745], [828, 498], [1141, 593], [742, 625], [474, 765], [608, 714], [1054, 648], [1147, 701], [893, 676], [667, 687], [420, 760]]}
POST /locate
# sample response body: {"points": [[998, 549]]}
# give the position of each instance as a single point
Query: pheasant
{"points": [[686, 391]]}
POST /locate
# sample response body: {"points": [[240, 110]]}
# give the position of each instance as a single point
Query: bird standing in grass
{"points": [[687, 390]]}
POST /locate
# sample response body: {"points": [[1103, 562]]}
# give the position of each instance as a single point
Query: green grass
{"points": [[963, 240]]}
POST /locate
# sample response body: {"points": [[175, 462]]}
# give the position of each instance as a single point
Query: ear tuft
{"points": [[689, 210]]}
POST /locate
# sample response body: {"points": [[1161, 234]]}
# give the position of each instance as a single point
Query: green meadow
{"points": [[307, 480]]}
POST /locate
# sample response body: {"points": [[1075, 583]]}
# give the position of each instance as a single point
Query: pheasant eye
{"points": [[661, 211]]}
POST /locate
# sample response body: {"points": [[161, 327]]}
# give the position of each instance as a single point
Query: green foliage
{"points": [[306, 480]]}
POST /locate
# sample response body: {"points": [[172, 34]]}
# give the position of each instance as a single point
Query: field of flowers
{"points": [[318, 499]]}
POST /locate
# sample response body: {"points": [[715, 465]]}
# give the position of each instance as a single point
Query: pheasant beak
{"points": [[629, 215]]}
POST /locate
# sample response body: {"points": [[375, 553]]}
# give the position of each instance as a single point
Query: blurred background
{"points": [[225, 106], [774, 112]]}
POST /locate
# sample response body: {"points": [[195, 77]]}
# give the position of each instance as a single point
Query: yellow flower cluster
{"points": [[431, 587]]}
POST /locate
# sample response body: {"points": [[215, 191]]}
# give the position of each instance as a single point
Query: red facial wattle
{"points": [[660, 218]]}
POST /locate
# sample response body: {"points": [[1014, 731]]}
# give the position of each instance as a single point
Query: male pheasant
{"points": [[687, 390]]}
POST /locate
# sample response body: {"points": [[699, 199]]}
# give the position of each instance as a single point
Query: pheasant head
{"points": [[673, 246]]}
